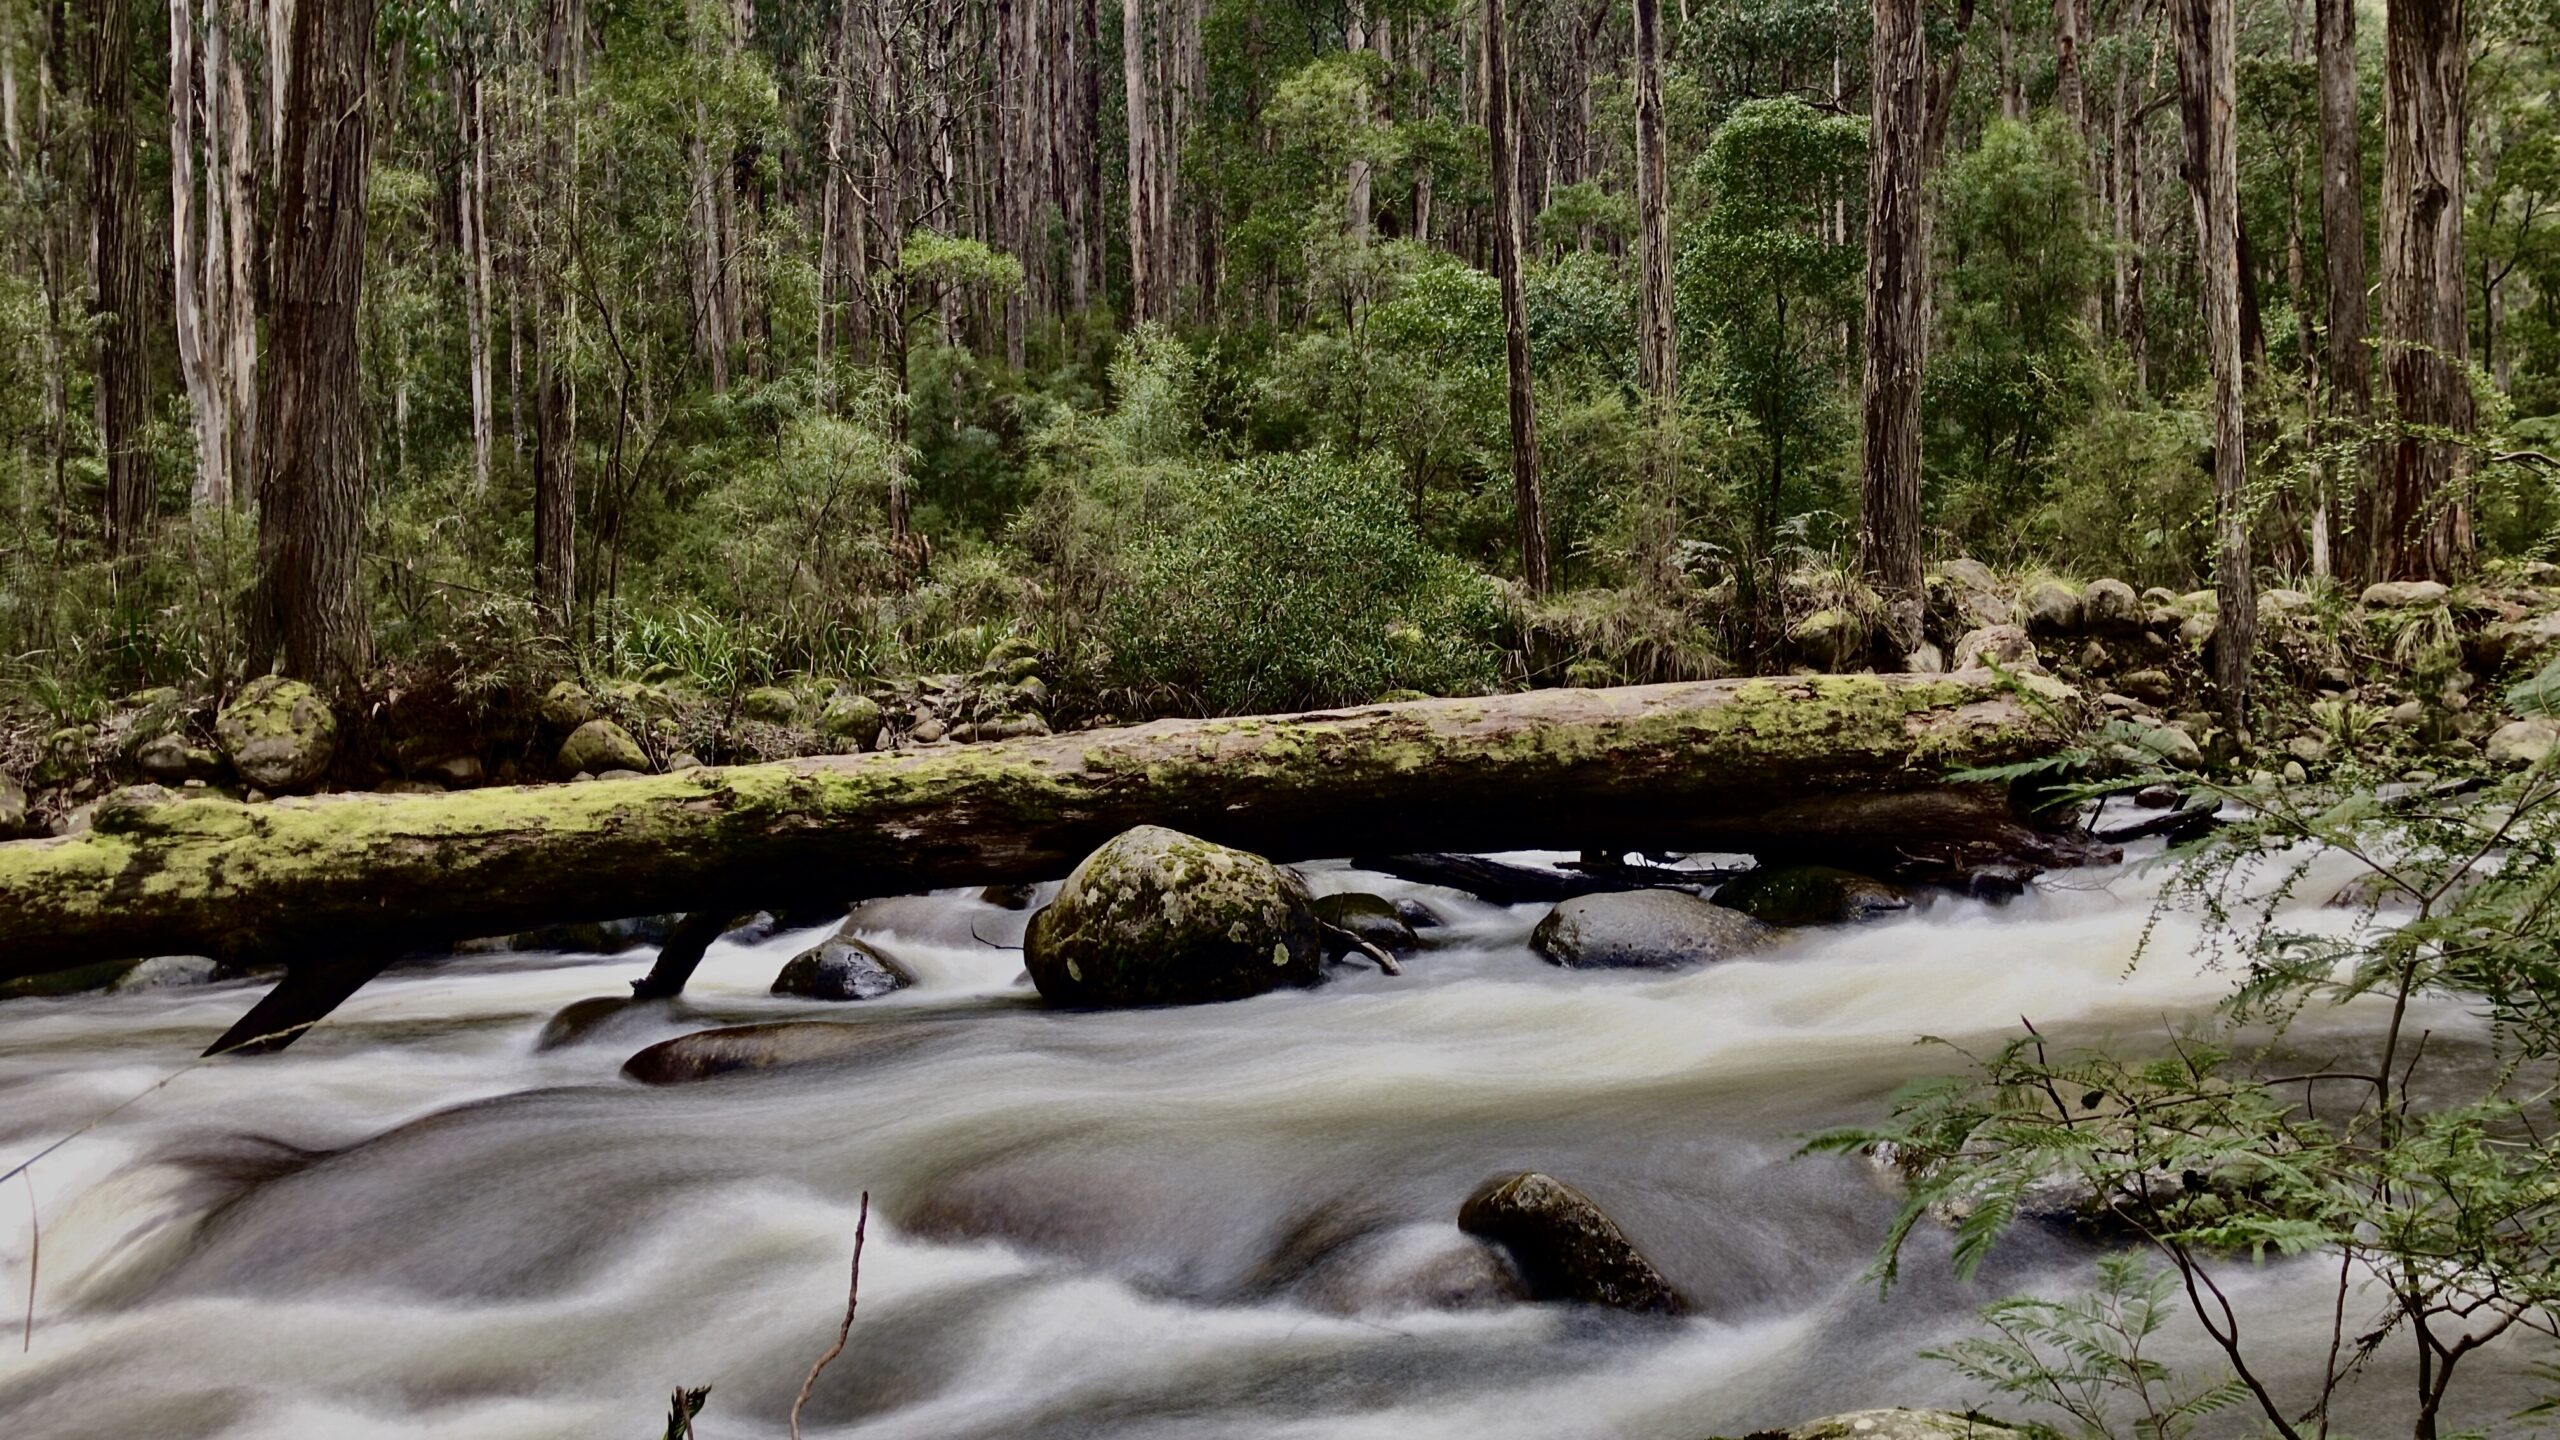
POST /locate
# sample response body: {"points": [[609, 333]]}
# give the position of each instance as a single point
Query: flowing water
{"points": [[1204, 1222]]}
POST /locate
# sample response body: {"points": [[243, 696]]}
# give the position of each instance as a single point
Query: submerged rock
{"points": [[842, 968], [1010, 897], [1416, 1267], [278, 733], [1810, 895], [1157, 917], [1418, 916], [1644, 930], [706, 1053], [1567, 1247], [1370, 917]]}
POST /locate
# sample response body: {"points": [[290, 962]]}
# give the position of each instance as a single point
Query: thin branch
{"points": [[852, 1298]]}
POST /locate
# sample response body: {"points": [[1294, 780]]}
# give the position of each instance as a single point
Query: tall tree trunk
{"points": [[1140, 104], [2421, 524], [1356, 40], [2347, 389], [189, 265], [2206, 62], [1500, 124], [311, 485], [478, 276], [1657, 347], [120, 255], [2070, 23], [555, 476], [1897, 269], [238, 298]]}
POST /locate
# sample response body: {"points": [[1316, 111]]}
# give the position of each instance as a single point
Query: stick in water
{"points": [[852, 1298], [35, 1244]]}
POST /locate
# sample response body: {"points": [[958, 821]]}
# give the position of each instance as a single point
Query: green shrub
{"points": [[1297, 581]]}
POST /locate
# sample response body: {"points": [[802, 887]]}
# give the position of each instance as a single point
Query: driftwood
{"points": [[1851, 768], [1503, 883]]}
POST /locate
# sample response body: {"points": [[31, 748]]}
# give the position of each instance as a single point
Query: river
{"points": [[1177, 1223]]}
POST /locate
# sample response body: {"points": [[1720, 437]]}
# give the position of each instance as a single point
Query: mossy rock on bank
{"points": [[1810, 895], [1157, 917], [278, 733], [599, 746]]}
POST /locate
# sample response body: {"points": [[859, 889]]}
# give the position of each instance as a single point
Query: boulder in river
{"points": [[1901, 1424], [1567, 1247], [1370, 917], [278, 733], [842, 968], [1157, 917], [706, 1053], [1644, 930], [1810, 895]]}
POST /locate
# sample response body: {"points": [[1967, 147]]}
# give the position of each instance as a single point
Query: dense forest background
{"points": [[744, 340]]}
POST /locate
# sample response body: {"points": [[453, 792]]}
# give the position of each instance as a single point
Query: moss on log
{"points": [[1820, 763]]}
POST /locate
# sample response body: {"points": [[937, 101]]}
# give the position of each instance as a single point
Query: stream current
{"points": [[1197, 1223]]}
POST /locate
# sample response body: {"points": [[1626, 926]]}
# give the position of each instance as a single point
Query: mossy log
{"points": [[1849, 767]]}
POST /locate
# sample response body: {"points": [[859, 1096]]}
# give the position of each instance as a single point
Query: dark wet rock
{"points": [[2051, 608], [1645, 930], [842, 968], [706, 1053], [1414, 1267], [2159, 796], [278, 733], [1157, 917], [455, 772], [1370, 917], [1810, 895], [1997, 884], [1418, 916], [172, 761], [1567, 1248], [1009, 897]]}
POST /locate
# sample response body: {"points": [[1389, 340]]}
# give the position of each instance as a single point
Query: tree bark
{"points": [[311, 483], [1657, 345], [2347, 390], [2421, 522], [1501, 127], [120, 254], [2206, 62], [1854, 765], [555, 460], [1143, 179], [1897, 271]]}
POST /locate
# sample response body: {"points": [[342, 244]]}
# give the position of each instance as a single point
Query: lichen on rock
{"points": [[1157, 917]]}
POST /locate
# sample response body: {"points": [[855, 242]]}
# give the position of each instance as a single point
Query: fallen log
{"points": [[1502, 883], [1848, 766]]}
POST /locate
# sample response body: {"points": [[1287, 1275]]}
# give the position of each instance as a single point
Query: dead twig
{"points": [[852, 1298], [1386, 962], [35, 1247]]}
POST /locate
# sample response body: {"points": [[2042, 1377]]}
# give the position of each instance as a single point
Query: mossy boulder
{"points": [[1010, 649], [567, 705], [1810, 895], [2051, 608], [278, 733], [601, 745], [771, 704], [1567, 1247], [1372, 918], [13, 809], [842, 968], [852, 720], [2403, 594], [1832, 639], [171, 760], [1157, 917], [1644, 930]]}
